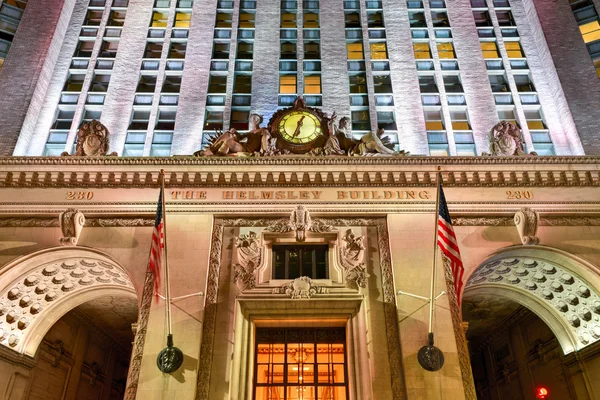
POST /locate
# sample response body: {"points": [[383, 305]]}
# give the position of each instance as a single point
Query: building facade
{"points": [[302, 143]]}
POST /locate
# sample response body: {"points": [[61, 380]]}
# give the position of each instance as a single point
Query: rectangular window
{"points": [[490, 50], [100, 83], [421, 50], [355, 51], [223, 20], [243, 84], [153, 50], [217, 84], [247, 20], [159, 19], [287, 84], [446, 50], [513, 49], [117, 18], [147, 84], [171, 84], [379, 51], [177, 50], [182, 20], [291, 262], [312, 84], [300, 363]]}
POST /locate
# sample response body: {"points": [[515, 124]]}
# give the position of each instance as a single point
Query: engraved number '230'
{"points": [[519, 194], [80, 195]]}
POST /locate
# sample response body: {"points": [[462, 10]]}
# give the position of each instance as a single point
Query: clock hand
{"points": [[297, 131]]}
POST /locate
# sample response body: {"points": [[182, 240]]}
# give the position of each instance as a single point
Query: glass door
{"points": [[300, 364]]}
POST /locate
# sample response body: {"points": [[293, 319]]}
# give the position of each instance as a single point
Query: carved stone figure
{"points": [[300, 288], [92, 140], [505, 140], [249, 256], [229, 143], [341, 141], [526, 221], [352, 257], [71, 224], [262, 137], [300, 220]]}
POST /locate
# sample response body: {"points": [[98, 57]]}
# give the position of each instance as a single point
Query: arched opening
{"points": [[530, 313], [66, 318]]}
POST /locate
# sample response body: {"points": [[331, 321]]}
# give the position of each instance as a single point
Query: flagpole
{"points": [[170, 358], [430, 357], [168, 286], [435, 247]]}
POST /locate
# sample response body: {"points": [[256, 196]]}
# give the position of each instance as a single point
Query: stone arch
{"points": [[562, 289], [36, 290]]}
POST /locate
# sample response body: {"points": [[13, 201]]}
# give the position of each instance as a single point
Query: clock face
{"points": [[299, 127]]}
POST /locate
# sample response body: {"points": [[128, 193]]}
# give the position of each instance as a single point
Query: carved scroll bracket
{"points": [[526, 221], [301, 288], [71, 224], [299, 222]]}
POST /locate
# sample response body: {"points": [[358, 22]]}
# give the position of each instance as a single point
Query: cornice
{"points": [[300, 160], [298, 171]]}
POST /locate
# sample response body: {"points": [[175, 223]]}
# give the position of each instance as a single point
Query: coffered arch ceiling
{"points": [[560, 288], [38, 289]]}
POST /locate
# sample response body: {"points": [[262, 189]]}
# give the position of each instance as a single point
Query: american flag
{"points": [[158, 245], [447, 243]]}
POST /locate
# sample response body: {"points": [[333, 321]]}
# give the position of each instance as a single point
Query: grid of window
{"points": [[11, 12], [507, 63], [89, 74], [152, 121], [288, 54], [589, 26], [242, 86], [442, 93], [380, 67], [312, 52], [357, 75], [219, 67]]}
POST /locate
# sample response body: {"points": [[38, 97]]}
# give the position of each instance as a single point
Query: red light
{"points": [[542, 393]]}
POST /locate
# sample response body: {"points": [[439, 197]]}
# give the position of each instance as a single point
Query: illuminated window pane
{"points": [[288, 20], [246, 20], [446, 50], [182, 20], [223, 20], [311, 20], [312, 84], [355, 51], [490, 50], [379, 51], [513, 49], [159, 19], [421, 50], [287, 84]]}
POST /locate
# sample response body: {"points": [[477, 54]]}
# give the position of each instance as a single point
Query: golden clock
{"points": [[300, 127]]}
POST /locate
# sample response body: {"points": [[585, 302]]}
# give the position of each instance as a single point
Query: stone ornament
{"points": [[71, 224], [352, 256], [568, 296], [92, 140], [27, 299], [526, 222], [249, 257], [506, 140], [257, 142], [299, 222], [329, 140], [301, 288]]}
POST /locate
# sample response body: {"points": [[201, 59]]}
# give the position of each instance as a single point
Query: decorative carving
{"points": [[526, 221], [391, 317], [300, 222], [568, 296], [249, 256], [135, 365], [31, 297], [506, 140], [483, 221], [58, 352], [71, 224], [340, 142], [92, 140], [301, 288], [506, 373], [352, 257]]}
